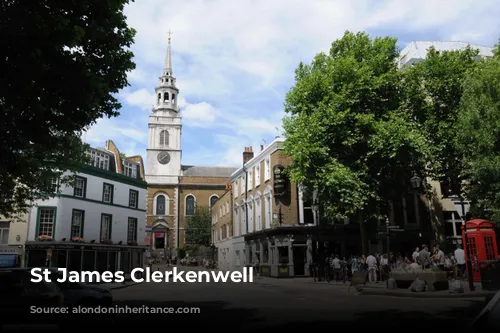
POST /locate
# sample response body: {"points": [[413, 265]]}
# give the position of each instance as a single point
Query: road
{"points": [[288, 304]]}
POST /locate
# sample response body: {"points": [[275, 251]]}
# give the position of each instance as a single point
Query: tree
{"points": [[62, 62], [478, 138], [433, 91], [199, 227], [347, 133]]}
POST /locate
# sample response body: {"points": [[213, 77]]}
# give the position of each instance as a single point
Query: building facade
{"points": [[13, 233], [174, 190], [416, 51], [222, 229], [98, 223]]}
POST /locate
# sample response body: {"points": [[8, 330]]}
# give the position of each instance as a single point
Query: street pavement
{"points": [[291, 303]]}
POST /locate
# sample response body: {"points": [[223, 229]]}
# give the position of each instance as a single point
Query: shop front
{"points": [[10, 256], [84, 256]]}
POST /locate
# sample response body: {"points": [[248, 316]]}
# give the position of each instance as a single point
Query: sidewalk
{"points": [[379, 289]]}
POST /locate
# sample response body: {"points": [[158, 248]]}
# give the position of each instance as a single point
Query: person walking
{"points": [[371, 261], [460, 259]]}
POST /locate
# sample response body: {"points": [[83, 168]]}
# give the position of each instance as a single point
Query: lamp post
{"points": [[416, 183], [213, 247], [315, 209], [463, 216]]}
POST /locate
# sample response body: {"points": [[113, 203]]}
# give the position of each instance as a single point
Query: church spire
{"points": [[168, 57], [166, 91]]}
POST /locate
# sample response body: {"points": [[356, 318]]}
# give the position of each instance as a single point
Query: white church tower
{"points": [[164, 142]]}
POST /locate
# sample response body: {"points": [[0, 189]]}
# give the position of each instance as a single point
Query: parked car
{"points": [[25, 303], [83, 294], [489, 318]]}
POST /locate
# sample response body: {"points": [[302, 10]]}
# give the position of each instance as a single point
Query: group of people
{"points": [[379, 265]]}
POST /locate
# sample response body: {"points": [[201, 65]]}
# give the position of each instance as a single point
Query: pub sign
{"points": [[280, 181]]}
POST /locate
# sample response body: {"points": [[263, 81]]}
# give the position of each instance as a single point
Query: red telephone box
{"points": [[482, 244]]}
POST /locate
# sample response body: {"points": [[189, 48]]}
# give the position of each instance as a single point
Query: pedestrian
{"points": [[460, 259], [256, 267], [425, 257], [371, 261]]}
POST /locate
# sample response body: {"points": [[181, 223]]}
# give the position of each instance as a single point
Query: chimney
{"points": [[247, 154], [261, 147]]}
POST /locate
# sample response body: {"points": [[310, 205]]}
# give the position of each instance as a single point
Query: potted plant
{"points": [[45, 238], [106, 241], [77, 240], [132, 242]]}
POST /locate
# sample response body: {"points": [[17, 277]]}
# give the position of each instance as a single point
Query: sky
{"points": [[235, 60]]}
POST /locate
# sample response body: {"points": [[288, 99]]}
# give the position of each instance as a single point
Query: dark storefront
{"points": [[84, 256], [288, 251]]}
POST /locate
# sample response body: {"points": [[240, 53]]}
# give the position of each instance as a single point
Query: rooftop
{"points": [[207, 171]]}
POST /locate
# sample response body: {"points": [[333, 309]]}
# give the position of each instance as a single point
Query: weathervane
{"points": [[170, 33]]}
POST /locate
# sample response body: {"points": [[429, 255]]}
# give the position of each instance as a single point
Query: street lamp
{"points": [[416, 183], [315, 209]]}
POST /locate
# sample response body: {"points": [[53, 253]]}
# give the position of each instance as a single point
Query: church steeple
{"points": [[166, 91], [168, 58]]}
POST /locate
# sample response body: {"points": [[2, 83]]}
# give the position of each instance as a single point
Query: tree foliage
{"points": [[199, 227], [434, 89], [347, 132], [62, 63], [478, 138]]}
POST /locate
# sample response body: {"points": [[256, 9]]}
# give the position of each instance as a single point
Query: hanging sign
{"points": [[280, 181]]}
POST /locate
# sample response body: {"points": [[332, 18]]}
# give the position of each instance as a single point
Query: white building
{"points": [[104, 212], [416, 51]]}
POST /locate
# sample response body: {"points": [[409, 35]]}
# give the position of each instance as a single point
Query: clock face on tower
{"points": [[164, 157]]}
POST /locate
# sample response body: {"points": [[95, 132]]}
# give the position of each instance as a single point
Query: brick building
{"points": [[222, 229], [174, 190]]}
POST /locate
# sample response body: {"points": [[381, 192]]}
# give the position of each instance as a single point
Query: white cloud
{"points": [[199, 115], [141, 98], [233, 60]]}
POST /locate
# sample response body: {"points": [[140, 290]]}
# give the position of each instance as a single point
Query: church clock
{"points": [[164, 157]]}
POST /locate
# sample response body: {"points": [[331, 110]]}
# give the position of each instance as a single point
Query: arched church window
{"points": [[164, 138], [160, 205], [190, 205], [165, 97], [159, 98], [213, 199], [173, 98]]}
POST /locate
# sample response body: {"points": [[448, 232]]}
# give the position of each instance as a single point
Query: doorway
{"points": [[160, 240], [299, 259]]}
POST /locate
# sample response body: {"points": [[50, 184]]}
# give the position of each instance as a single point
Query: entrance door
{"points": [[299, 259], [159, 240]]}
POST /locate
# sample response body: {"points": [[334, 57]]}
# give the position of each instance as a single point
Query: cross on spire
{"points": [[170, 33]]}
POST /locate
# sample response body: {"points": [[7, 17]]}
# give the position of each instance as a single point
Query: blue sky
{"points": [[234, 61]]}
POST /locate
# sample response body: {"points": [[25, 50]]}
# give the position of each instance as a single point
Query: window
{"points": [[236, 221], [190, 205], [160, 205], [257, 175], [133, 199], [129, 169], [46, 221], [107, 193], [164, 138], [132, 229], [258, 214], [106, 220], [267, 171], [77, 220], [99, 159], [235, 188], [267, 208], [213, 200], [243, 184], [54, 183], [80, 187], [250, 180], [4, 232]]}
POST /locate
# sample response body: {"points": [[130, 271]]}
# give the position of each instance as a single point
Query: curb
{"points": [[430, 295], [124, 286]]}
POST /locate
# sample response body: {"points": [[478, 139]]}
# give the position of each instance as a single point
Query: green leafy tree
{"points": [[434, 88], [347, 133], [199, 227], [478, 138], [62, 64]]}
